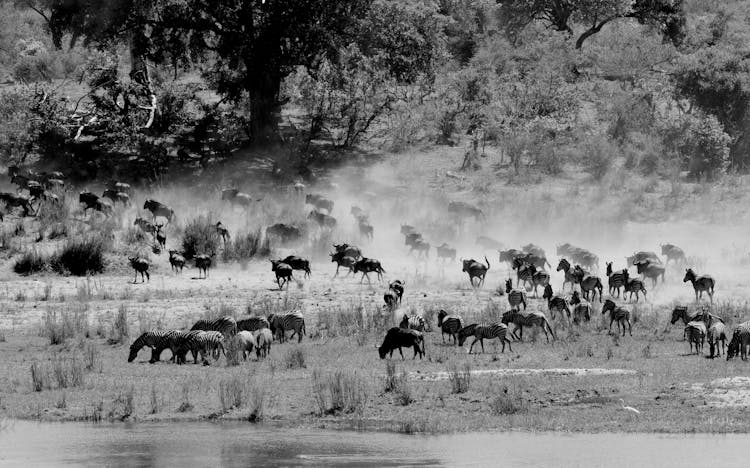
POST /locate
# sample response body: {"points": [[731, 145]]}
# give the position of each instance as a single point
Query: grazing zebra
{"points": [[280, 323], [183, 341], [555, 303], [482, 331], [252, 324], [140, 265], [527, 319], [682, 313], [570, 276], [619, 314], [696, 334], [615, 279], [634, 285], [157, 340], [245, 342], [263, 338], [700, 284], [227, 326], [581, 308], [673, 253], [415, 322], [176, 260], [716, 333], [516, 297], [449, 324], [649, 270], [740, 341]]}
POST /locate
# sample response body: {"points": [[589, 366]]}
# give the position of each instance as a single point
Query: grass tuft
{"points": [[81, 257], [295, 358], [459, 377]]}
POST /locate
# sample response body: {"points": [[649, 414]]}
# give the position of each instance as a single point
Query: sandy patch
{"points": [[729, 392], [575, 372]]}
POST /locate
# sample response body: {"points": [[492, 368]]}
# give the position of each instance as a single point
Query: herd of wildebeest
{"points": [[530, 265]]}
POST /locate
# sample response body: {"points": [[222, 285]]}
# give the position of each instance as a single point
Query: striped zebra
{"points": [[700, 284], [157, 340], [524, 271], [555, 303], [716, 333], [634, 286], [195, 341], [527, 319], [740, 341], [682, 313], [482, 331], [516, 297], [696, 334], [414, 322], [581, 308], [619, 314], [615, 279], [539, 278], [280, 323], [227, 326], [449, 324], [252, 324], [570, 276]]}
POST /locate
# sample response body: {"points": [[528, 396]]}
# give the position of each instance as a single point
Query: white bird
{"points": [[629, 409]]}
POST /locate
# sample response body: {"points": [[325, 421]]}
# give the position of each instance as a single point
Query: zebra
{"points": [[539, 278], [700, 284], [198, 342], [482, 331], [449, 324], [696, 334], [682, 313], [716, 332], [415, 322], [157, 340], [280, 323], [673, 253], [619, 314], [740, 341], [615, 279], [570, 276], [227, 326], [555, 303], [581, 308], [263, 338], [527, 319], [634, 285], [524, 271], [516, 297], [252, 324]]}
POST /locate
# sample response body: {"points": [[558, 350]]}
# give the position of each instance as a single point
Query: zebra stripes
{"points": [[555, 303], [227, 326], [415, 322], [527, 319], [197, 342], [696, 334], [449, 324], [634, 286], [619, 314], [157, 340], [740, 341], [615, 280], [252, 324], [482, 331], [516, 297], [281, 323]]}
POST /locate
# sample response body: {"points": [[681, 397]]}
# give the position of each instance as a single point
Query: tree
{"points": [[250, 46], [593, 15]]}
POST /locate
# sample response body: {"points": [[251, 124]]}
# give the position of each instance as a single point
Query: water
{"points": [[206, 444]]}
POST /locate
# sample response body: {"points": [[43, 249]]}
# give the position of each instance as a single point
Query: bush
{"points": [[459, 377], [119, 332], [200, 237], [246, 246], [59, 328], [30, 262], [81, 257], [68, 372], [51, 215], [339, 392], [507, 401], [39, 377], [123, 405], [231, 393]]}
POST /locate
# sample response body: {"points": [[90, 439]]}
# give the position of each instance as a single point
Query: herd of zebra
{"points": [[211, 338]]}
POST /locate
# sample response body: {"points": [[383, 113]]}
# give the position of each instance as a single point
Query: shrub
{"points": [[92, 357], [459, 377], [119, 332], [123, 405], [60, 327], [246, 246], [200, 237], [2, 336], [80, 257], [185, 404], [295, 358], [68, 372], [39, 377], [231, 393], [154, 400], [507, 401], [256, 396], [339, 392], [31, 261]]}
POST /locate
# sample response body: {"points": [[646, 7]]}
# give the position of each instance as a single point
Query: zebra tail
{"points": [[488, 262]]}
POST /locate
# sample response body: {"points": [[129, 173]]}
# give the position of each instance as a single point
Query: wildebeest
{"points": [[298, 263], [358, 213], [422, 248], [534, 249], [641, 256], [140, 265], [222, 231], [120, 187], [465, 210], [322, 219], [235, 197], [510, 255], [176, 260], [407, 229], [161, 237], [283, 272], [245, 342], [146, 226], [700, 283], [673, 253], [117, 197], [390, 298], [397, 338], [651, 271], [318, 201], [159, 210], [412, 238], [343, 260], [446, 252], [368, 265], [366, 229], [91, 201], [476, 269], [397, 286], [488, 243], [285, 232], [17, 201], [203, 263], [348, 250]]}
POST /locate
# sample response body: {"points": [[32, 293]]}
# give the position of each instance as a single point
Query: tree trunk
{"points": [[264, 107]]}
